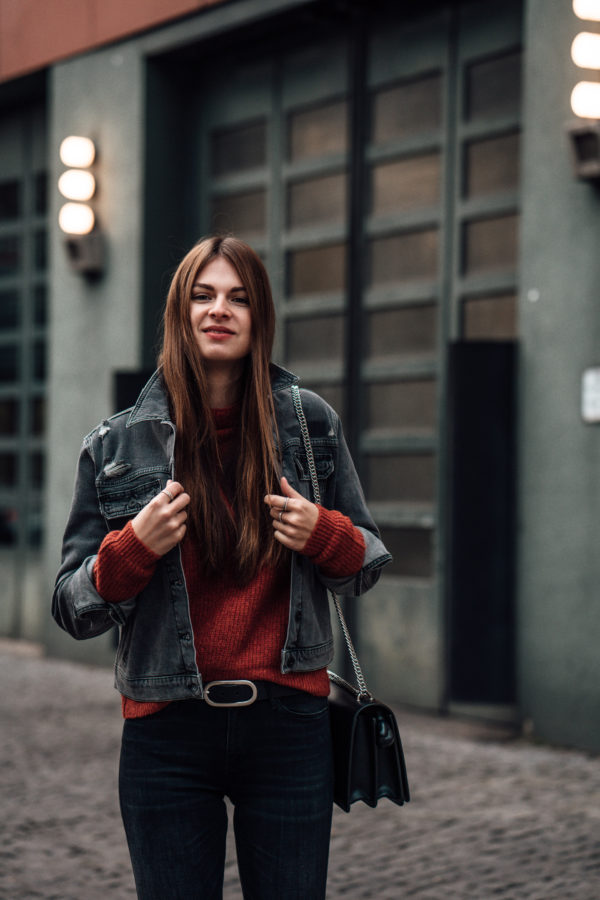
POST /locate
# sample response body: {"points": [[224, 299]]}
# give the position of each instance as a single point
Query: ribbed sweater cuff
{"points": [[336, 546], [124, 565]]}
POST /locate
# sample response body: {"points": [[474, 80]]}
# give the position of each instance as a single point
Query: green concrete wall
{"points": [[559, 490], [95, 328]]}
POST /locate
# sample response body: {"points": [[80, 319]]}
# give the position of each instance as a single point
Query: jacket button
{"points": [[186, 637], [194, 688]]}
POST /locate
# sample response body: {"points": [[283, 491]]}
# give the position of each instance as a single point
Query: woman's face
{"points": [[220, 314]]}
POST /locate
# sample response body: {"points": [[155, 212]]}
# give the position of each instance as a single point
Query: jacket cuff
{"points": [[336, 546], [124, 565]]}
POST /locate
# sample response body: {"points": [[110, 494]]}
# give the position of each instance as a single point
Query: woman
{"points": [[193, 530]]}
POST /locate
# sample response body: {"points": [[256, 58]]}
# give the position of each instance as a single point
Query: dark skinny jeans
{"points": [[273, 761]]}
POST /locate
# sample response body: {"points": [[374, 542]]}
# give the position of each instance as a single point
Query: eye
{"points": [[241, 299], [200, 297]]}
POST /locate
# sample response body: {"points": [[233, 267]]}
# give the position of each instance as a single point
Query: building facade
{"points": [[406, 172]]}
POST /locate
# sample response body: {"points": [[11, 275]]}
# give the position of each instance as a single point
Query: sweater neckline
{"points": [[226, 417]]}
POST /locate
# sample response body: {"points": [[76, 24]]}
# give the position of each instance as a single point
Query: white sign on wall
{"points": [[590, 395]]}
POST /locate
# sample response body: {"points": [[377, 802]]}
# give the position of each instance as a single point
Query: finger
{"points": [[171, 491], [287, 490], [281, 514], [180, 502], [274, 500]]}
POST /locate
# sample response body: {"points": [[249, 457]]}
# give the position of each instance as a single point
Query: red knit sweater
{"points": [[238, 631]]}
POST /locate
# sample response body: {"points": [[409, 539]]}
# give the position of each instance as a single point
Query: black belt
{"points": [[242, 692]]}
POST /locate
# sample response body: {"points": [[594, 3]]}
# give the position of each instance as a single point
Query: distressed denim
{"points": [[272, 759], [125, 462]]}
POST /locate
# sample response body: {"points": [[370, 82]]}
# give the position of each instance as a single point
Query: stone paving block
{"points": [[491, 815]]}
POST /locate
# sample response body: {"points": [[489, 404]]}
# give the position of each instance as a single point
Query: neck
{"points": [[224, 386]]}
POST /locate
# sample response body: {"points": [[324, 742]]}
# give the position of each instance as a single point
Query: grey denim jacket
{"points": [[125, 462]]}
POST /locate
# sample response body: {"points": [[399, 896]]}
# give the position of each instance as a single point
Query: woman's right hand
{"points": [[160, 525]]}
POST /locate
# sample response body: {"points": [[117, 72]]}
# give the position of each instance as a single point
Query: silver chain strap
{"points": [[363, 691]]}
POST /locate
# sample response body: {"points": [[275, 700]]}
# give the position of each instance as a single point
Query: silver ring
{"points": [[285, 504], [169, 494], [281, 515]]}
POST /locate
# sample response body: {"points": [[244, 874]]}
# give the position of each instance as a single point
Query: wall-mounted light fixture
{"points": [[587, 9], [83, 242], [585, 96]]}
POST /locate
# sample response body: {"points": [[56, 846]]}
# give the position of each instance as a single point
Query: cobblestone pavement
{"points": [[491, 814]]}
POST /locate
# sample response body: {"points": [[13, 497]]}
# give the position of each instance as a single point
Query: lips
{"points": [[215, 329]]}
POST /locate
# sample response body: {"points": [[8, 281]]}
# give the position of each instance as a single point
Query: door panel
{"points": [[437, 194]]}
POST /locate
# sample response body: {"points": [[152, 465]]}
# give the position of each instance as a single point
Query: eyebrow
{"points": [[209, 287]]}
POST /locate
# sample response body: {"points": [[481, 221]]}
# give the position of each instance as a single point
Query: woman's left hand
{"points": [[294, 517]]}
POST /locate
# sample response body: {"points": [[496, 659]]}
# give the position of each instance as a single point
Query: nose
{"points": [[219, 307]]}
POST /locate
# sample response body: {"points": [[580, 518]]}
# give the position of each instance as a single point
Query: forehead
{"points": [[219, 271]]}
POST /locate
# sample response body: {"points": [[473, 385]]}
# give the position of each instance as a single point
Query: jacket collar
{"points": [[153, 403]]}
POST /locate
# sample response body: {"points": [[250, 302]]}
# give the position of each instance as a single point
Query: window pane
{"points": [[9, 364], [10, 255], [240, 148], [494, 87], [404, 479], [39, 360], [10, 205], [406, 184], [412, 549], [490, 244], [9, 309], [240, 213], [8, 526], [409, 330], [490, 318], [404, 257], [8, 469], [407, 109], [492, 165], [320, 269], [317, 200], [36, 470], [41, 193], [39, 305], [311, 339], [405, 405], [9, 417], [318, 131], [39, 250], [37, 423]]}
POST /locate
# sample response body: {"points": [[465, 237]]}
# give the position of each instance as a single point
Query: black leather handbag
{"points": [[368, 759]]}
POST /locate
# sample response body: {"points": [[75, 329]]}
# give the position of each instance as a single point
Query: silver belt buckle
{"points": [[237, 683]]}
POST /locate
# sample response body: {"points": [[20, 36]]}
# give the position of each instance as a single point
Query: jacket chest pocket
{"points": [[323, 465], [124, 497]]}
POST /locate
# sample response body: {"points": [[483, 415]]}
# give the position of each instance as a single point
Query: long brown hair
{"points": [[244, 541]]}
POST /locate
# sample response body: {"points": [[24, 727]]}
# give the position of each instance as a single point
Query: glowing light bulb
{"points": [[76, 218], [76, 184], [77, 151], [585, 50], [587, 9], [585, 100]]}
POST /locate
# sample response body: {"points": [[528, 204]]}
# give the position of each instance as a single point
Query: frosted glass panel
{"points": [[408, 330], [407, 109], [317, 270], [318, 131], [404, 405], [317, 200], [404, 257], [406, 184], [405, 479]]}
